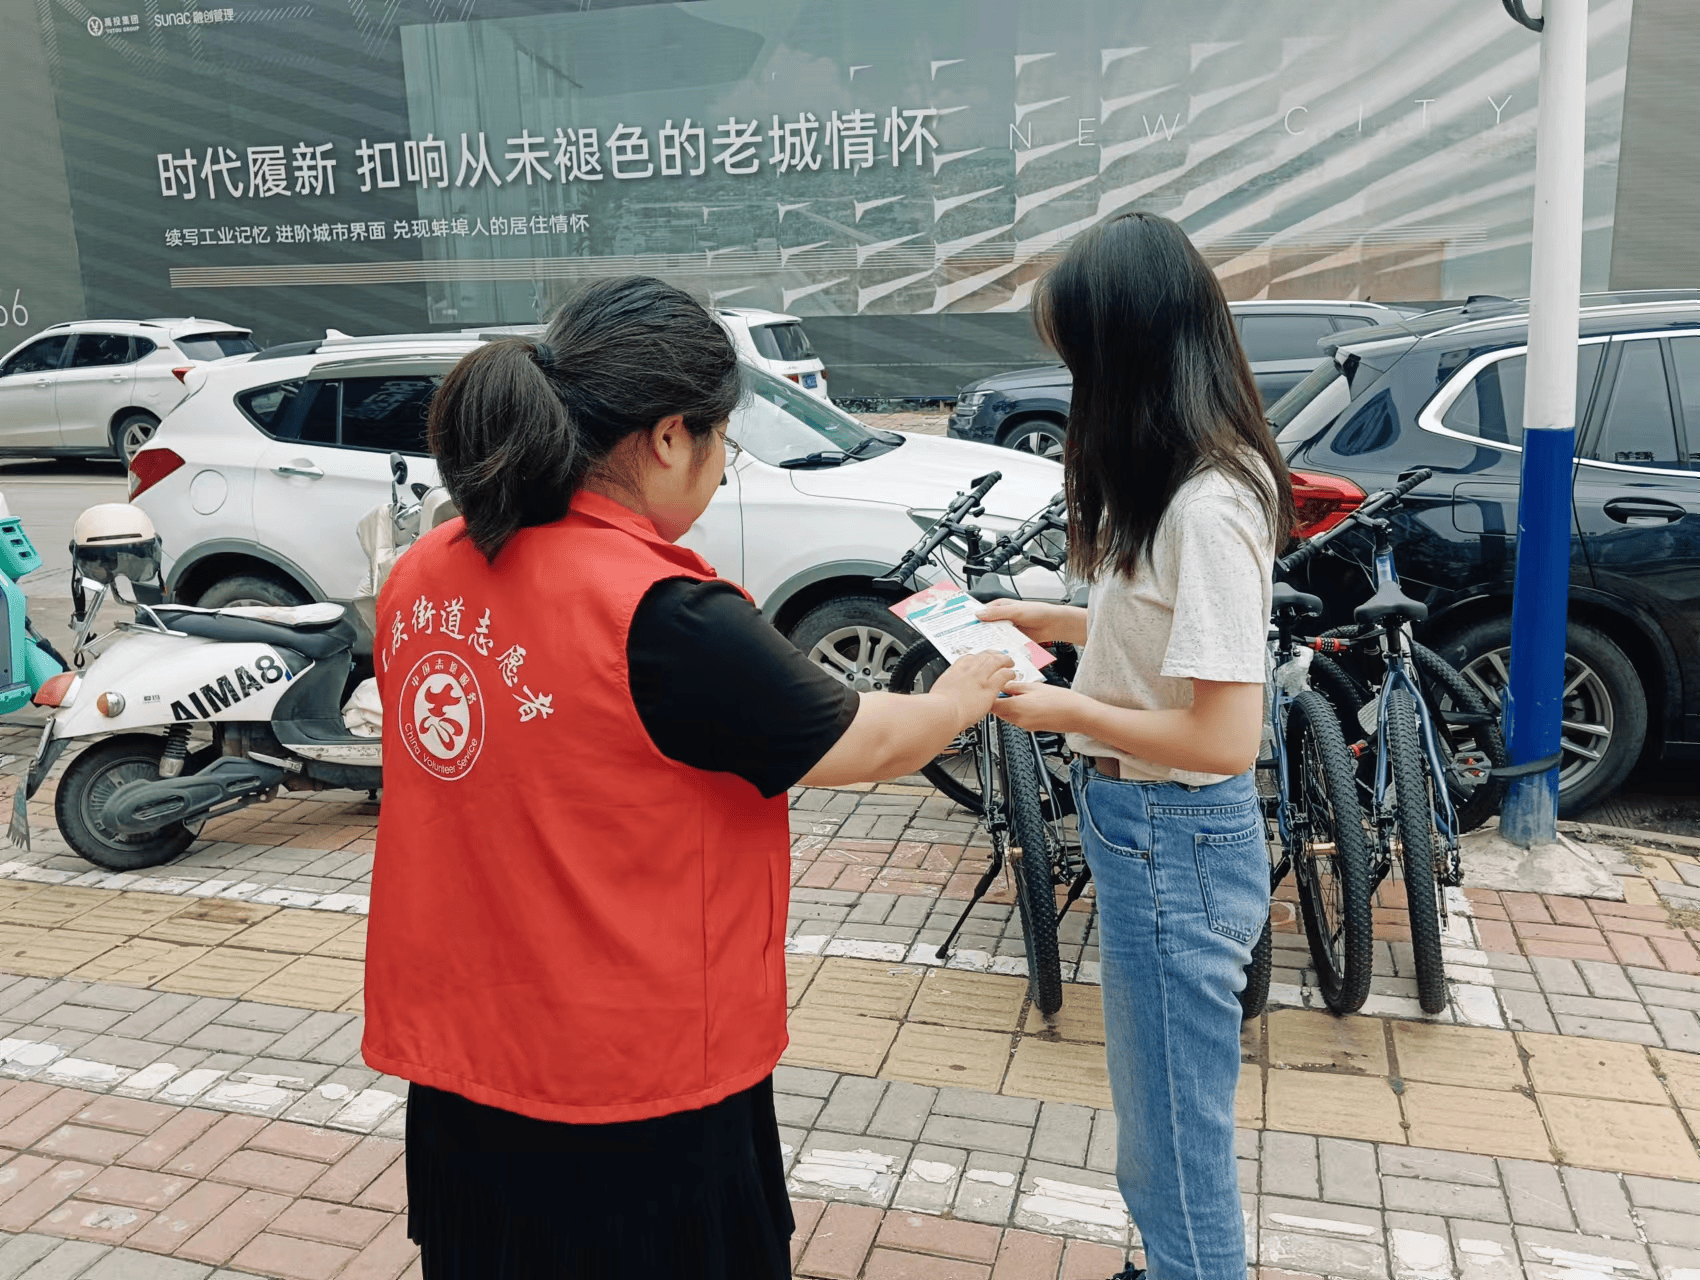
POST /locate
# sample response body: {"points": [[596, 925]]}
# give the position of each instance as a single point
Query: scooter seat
{"points": [[316, 638]]}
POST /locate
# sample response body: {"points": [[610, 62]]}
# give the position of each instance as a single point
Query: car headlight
{"points": [[969, 401]]}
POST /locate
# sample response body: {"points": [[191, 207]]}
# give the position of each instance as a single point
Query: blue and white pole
{"points": [[1534, 705]]}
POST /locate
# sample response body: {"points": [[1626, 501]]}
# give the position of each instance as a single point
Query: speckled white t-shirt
{"points": [[1198, 609]]}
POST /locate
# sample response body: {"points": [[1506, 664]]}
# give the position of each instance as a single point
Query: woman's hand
{"points": [[1041, 708], [973, 683], [1039, 622]]}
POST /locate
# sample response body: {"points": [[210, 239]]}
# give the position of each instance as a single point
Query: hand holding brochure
{"points": [[947, 617]]}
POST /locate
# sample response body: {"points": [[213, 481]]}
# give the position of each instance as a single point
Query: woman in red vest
{"points": [[578, 913]]}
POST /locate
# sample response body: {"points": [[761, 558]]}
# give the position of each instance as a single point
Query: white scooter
{"points": [[208, 710]]}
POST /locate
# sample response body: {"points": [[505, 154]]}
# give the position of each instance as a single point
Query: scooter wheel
{"points": [[88, 782]]}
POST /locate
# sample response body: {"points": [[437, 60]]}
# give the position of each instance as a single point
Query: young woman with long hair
{"points": [[1178, 500]]}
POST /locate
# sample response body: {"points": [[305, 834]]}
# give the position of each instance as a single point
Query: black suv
{"points": [[1445, 391], [1026, 409]]}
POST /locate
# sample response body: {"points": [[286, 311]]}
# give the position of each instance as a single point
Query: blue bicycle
{"points": [[1408, 782]]}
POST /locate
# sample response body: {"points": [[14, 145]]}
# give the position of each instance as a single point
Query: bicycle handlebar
{"points": [[1376, 502], [966, 503], [1010, 545]]}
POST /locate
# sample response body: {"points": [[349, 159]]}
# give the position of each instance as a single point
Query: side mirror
{"points": [[398, 470]]}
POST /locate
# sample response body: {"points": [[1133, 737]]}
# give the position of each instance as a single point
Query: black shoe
{"points": [[1129, 1273]]}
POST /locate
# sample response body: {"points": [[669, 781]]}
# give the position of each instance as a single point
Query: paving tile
{"points": [[1595, 1068], [293, 931], [1059, 1071], [356, 1171], [265, 1171], [51, 1110], [1482, 1121], [840, 1242], [350, 944], [291, 1258], [388, 1191], [1080, 1018], [1307, 1039], [921, 1233], [138, 1188], [201, 1156], [43, 1193], [960, 998], [1535, 1195], [1348, 1171], [53, 953], [100, 1223], [1470, 1056], [1601, 1203], [1063, 1133], [129, 913], [316, 982], [52, 907], [128, 1264], [386, 1257], [923, 1054], [210, 922], [131, 1115], [234, 1226], [1547, 1252], [837, 1040], [170, 1138], [875, 989], [887, 1264], [1682, 1074], [1445, 1199], [224, 973], [799, 972], [1623, 1137], [1335, 1105], [1083, 1260], [1026, 1255], [903, 1110], [1440, 1166], [1289, 1165], [79, 1142], [850, 1108]]}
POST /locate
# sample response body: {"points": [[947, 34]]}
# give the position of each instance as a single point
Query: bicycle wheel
{"points": [[1343, 692], [956, 770], [1035, 890], [1472, 749], [1330, 852], [1413, 798], [1255, 994]]}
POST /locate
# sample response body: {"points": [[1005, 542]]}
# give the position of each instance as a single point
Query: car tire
{"points": [[132, 434], [1042, 437], [1608, 695], [250, 589], [857, 639]]}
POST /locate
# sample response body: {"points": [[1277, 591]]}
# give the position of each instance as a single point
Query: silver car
{"points": [[99, 388]]}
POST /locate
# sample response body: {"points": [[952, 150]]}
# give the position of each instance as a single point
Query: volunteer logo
{"points": [[442, 715]]}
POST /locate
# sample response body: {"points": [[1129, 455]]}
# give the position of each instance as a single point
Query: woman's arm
{"points": [[1041, 623], [895, 734], [1218, 733]]}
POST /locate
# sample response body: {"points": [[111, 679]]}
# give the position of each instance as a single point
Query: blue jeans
{"points": [[1182, 879]]}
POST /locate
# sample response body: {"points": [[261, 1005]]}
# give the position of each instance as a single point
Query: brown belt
{"points": [[1109, 766]]}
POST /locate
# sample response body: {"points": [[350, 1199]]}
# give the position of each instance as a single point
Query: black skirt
{"points": [[698, 1195]]}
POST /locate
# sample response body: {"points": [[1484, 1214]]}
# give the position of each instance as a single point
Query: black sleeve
{"points": [[719, 689]]}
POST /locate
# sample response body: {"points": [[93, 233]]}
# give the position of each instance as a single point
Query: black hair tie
{"points": [[544, 354]]}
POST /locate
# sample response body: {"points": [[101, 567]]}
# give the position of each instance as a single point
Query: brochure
{"points": [[945, 615]]}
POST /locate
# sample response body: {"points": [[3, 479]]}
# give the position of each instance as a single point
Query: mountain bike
{"points": [[1411, 811], [1004, 771], [1310, 796]]}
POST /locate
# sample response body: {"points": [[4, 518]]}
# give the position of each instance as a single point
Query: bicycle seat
{"points": [[1389, 603], [985, 595], [1284, 599], [315, 631]]}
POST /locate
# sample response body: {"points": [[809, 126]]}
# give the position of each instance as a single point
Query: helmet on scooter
{"points": [[115, 538]]}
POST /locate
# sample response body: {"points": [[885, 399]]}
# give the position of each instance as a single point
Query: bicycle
{"points": [[1413, 819], [1311, 802], [1021, 804]]}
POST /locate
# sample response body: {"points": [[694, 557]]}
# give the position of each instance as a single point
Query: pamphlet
{"points": [[945, 615]]}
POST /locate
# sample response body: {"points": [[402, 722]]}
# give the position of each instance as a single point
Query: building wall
{"points": [[1656, 241]]}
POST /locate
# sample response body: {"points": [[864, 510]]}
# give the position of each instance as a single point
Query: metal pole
{"points": [[1534, 706]]}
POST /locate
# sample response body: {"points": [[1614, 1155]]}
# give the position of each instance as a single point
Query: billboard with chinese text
{"points": [[899, 174]]}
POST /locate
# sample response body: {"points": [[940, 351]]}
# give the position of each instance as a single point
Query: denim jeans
{"points": [[1182, 878]]}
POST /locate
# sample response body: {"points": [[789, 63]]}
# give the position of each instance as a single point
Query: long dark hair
{"points": [[1162, 390], [518, 424]]}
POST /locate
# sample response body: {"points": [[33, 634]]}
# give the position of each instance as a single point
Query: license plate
{"points": [[809, 380]]}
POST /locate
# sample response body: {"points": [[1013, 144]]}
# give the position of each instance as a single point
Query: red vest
{"points": [[565, 923]]}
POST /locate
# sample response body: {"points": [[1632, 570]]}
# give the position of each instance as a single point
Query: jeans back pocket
{"points": [[1233, 870]]}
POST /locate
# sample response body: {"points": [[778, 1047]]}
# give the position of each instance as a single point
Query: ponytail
{"points": [[518, 425]]}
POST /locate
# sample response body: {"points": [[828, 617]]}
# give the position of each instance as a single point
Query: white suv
{"points": [[257, 481], [775, 342], [99, 388]]}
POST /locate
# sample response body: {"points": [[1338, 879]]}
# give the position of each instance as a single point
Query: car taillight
{"points": [[1323, 501], [53, 690], [797, 378], [181, 371], [149, 467]]}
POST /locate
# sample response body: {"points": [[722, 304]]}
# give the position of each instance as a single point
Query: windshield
{"points": [[782, 341], [1301, 414], [779, 422]]}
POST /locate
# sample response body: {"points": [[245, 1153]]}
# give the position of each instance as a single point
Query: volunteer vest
{"points": [[565, 923]]}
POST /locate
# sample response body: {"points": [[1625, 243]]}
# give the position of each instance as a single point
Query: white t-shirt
{"points": [[1198, 609]]}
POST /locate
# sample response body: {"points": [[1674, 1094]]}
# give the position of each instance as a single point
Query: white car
{"points": [[777, 343], [99, 388], [257, 481]]}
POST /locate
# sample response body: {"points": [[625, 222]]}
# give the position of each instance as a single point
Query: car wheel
{"points": [[1605, 705], [132, 434], [248, 589], [1041, 436], [856, 639]]}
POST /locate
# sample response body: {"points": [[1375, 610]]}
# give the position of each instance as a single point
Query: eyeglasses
{"points": [[733, 448]]}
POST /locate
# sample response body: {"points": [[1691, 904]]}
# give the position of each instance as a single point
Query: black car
{"points": [[1026, 409], [1445, 391]]}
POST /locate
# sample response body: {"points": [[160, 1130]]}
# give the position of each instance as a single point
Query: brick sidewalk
{"points": [[934, 1126]]}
